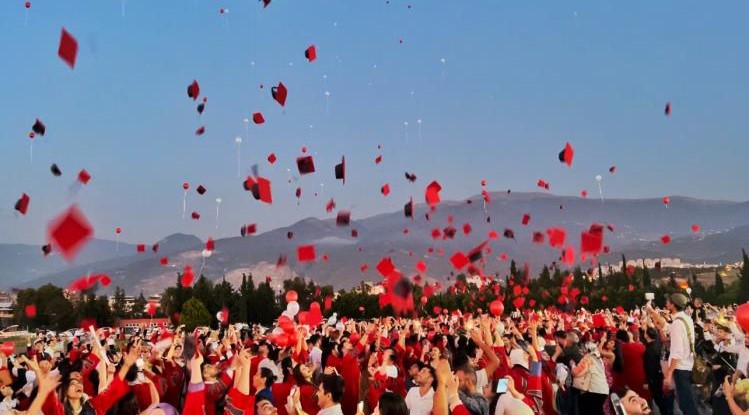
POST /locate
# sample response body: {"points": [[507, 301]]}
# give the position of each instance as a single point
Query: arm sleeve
{"points": [[195, 399], [104, 401]]}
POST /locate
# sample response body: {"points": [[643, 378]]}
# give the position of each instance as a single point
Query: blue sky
{"points": [[518, 80]]}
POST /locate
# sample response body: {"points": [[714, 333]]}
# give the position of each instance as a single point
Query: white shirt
{"points": [[315, 357], [417, 404], [739, 348], [682, 341], [481, 380], [6, 405], [273, 368], [508, 405], [391, 371], [333, 410]]}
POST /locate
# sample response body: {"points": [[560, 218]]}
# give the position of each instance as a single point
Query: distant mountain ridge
{"points": [[638, 224]]}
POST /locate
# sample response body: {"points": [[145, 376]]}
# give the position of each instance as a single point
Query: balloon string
{"points": [[239, 161], [26, 18], [31, 152], [184, 204], [600, 191], [217, 208], [117, 243]]}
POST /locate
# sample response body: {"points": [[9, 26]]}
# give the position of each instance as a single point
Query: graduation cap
{"points": [[164, 261], [289, 235], [695, 228], [46, 249], [280, 262], [526, 219], [39, 127], [279, 93], [22, 205], [311, 53], [272, 158], [261, 190], [84, 176], [467, 228], [401, 298], [411, 177], [612, 169], [408, 209], [432, 194], [200, 189], [667, 110], [330, 205], [385, 266], [556, 237], [68, 49], [538, 237], [141, 248], [340, 170], [421, 266], [449, 233], [265, 3], [305, 164], [69, 232], [566, 155], [385, 189], [200, 130], [201, 108], [354, 233], [459, 260], [591, 242], [258, 118], [509, 234], [343, 218], [55, 170], [542, 184], [306, 253], [193, 90], [477, 253], [378, 159]]}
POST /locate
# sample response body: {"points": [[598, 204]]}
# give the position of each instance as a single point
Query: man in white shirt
{"points": [[329, 395], [420, 398], [681, 354], [315, 353]]}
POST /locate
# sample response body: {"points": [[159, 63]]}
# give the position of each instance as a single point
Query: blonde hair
{"points": [[741, 392]]}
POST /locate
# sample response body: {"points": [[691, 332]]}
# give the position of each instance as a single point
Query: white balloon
{"points": [[218, 200], [598, 178], [238, 140], [206, 253], [288, 314], [220, 316], [293, 308]]}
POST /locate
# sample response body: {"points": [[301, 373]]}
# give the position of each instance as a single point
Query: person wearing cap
{"points": [[681, 354]]}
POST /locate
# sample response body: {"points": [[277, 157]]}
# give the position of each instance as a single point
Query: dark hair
{"points": [[392, 404], [333, 384], [652, 333], [560, 334], [432, 373], [298, 377], [622, 336], [268, 375]]}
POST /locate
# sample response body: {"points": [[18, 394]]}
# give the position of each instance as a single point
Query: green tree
{"points": [[53, 309], [139, 306], [194, 314], [718, 287], [647, 282], [544, 279], [263, 307], [203, 291], [119, 308], [743, 295]]}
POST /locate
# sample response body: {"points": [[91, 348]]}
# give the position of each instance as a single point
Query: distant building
{"points": [[137, 323], [6, 308]]}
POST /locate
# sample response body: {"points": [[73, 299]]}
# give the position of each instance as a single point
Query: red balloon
{"points": [[28, 4], [291, 295], [742, 317], [286, 324], [8, 348], [497, 308], [315, 306], [437, 309], [303, 317], [281, 339], [118, 230], [185, 185]]}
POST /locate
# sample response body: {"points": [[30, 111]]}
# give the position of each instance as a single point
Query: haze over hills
{"points": [[638, 224]]}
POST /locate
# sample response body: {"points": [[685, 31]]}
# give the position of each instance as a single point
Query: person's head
{"points": [[435, 353], [264, 407], [466, 379], [303, 374], [416, 366], [391, 404], [330, 391], [697, 302], [6, 391], [74, 388], [560, 336], [633, 404], [427, 377], [651, 334], [622, 336], [160, 409], [263, 350], [676, 302], [346, 345], [210, 372], [264, 378]]}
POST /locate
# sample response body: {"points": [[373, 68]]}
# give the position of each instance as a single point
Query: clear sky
{"points": [[499, 87]]}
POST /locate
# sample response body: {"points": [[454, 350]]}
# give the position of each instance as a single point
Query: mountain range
{"points": [[637, 224]]}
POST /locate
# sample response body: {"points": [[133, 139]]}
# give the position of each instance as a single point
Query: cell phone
{"points": [[617, 404], [649, 296], [502, 385], [360, 407]]}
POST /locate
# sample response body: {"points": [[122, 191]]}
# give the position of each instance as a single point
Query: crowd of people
{"points": [[689, 356]]}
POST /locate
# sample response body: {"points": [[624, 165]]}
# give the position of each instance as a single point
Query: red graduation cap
{"points": [[449, 232], [566, 155], [257, 118], [340, 170], [568, 255], [164, 261], [467, 228], [141, 248], [378, 159], [306, 253], [459, 260], [543, 184], [591, 242], [665, 239], [200, 189], [210, 245], [436, 233], [354, 233], [84, 176], [526, 219], [385, 266], [68, 49], [22, 205], [272, 158], [69, 232], [363, 268], [311, 53], [492, 234], [556, 237], [105, 280], [279, 93], [432, 194], [193, 90], [196, 215], [612, 169], [200, 130], [261, 190], [343, 218], [667, 110], [39, 127], [411, 177], [538, 238], [385, 189], [408, 209], [330, 205]]}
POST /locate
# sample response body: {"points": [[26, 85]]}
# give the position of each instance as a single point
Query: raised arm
{"points": [[491, 367]]}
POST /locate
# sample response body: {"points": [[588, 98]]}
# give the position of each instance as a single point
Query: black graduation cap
{"points": [[343, 218], [243, 230], [55, 170], [39, 127], [566, 155], [305, 164], [340, 170], [47, 249], [265, 3], [449, 232], [477, 253], [408, 209], [201, 190], [509, 234], [201, 108], [289, 234], [411, 177]]}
